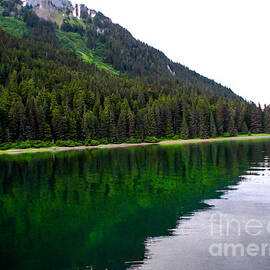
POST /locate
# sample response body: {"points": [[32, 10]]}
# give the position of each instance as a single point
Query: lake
{"points": [[196, 206]]}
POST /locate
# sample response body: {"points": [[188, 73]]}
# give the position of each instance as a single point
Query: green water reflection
{"points": [[96, 208]]}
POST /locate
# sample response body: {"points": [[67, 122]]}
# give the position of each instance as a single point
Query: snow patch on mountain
{"points": [[172, 72]]}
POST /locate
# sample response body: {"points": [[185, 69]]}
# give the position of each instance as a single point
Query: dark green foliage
{"points": [[194, 122], [75, 27], [30, 18], [138, 59], [67, 143], [244, 128], [14, 26], [231, 127], [267, 119], [26, 144], [176, 137], [1, 133], [131, 124], [220, 116], [204, 125], [133, 140], [213, 129], [48, 94], [89, 123], [184, 129], [89, 142], [123, 124], [10, 7], [151, 140], [169, 130], [111, 47], [232, 115], [256, 116]]}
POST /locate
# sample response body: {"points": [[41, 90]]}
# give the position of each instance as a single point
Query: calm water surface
{"points": [[149, 208]]}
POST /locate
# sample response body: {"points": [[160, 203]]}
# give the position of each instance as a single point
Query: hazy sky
{"points": [[225, 40]]}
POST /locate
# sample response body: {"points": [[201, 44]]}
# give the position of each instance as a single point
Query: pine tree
{"points": [[31, 130], [178, 117], [158, 121], [131, 124], [122, 126], [57, 124], [169, 129], [194, 122], [231, 126], [267, 119], [28, 131], [17, 121], [213, 130], [13, 81], [106, 117], [8, 136], [184, 134], [152, 125], [241, 113], [113, 128], [89, 125], [47, 132], [146, 123], [256, 119], [204, 125], [140, 124], [220, 117], [41, 122], [72, 132], [244, 128], [103, 125]]}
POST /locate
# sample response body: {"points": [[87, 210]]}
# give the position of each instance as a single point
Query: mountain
{"points": [[53, 10], [71, 76], [96, 39]]}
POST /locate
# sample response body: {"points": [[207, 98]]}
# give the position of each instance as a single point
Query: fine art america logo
{"points": [[235, 238]]}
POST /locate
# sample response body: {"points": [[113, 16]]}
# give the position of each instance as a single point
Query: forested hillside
{"points": [[48, 93], [96, 39]]}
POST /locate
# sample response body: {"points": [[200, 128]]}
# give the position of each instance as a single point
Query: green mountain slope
{"points": [[68, 40], [48, 93], [77, 44], [14, 26], [96, 39]]}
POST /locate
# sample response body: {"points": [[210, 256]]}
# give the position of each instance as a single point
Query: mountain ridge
{"points": [[96, 39]]}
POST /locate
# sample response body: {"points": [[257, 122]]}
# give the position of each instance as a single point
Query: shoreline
{"points": [[124, 145]]}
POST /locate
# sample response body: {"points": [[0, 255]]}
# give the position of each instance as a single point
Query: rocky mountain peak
{"points": [[56, 10], [53, 10], [59, 4]]}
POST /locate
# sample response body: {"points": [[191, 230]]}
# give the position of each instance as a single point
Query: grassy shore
{"points": [[163, 142]]}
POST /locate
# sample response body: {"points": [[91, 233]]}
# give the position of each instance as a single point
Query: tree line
{"points": [[47, 94]]}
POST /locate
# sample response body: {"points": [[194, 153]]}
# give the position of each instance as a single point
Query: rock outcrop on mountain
{"points": [[54, 10]]}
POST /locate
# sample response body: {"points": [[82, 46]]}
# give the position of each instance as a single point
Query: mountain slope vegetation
{"points": [[111, 47], [48, 93]]}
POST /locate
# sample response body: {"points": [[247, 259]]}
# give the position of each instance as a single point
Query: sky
{"points": [[224, 40]]}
